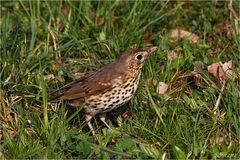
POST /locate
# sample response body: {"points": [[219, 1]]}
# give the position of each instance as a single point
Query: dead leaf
{"points": [[197, 78], [65, 9], [55, 67], [171, 54], [162, 88], [61, 78], [48, 78], [99, 20], [113, 15], [179, 33], [125, 115], [223, 27], [221, 70], [8, 118], [148, 36]]}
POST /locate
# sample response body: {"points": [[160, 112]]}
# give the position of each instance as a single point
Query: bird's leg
{"points": [[102, 118], [88, 120]]}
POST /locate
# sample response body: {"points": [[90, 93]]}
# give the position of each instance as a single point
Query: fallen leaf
{"points": [[171, 54], [162, 88], [48, 78], [61, 78], [8, 118], [197, 78], [125, 115], [223, 27], [179, 33], [55, 66], [148, 36], [65, 9], [221, 70], [99, 21], [113, 15]]}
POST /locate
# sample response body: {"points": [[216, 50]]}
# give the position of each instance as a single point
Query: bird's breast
{"points": [[122, 91]]}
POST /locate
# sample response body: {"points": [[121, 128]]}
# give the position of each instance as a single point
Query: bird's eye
{"points": [[139, 57]]}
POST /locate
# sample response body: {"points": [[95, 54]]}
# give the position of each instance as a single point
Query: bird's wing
{"points": [[98, 82], [69, 85]]}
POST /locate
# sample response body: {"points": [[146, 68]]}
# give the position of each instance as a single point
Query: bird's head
{"points": [[134, 59]]}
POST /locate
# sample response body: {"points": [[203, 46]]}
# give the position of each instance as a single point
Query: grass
{"points": [[45, 44]]}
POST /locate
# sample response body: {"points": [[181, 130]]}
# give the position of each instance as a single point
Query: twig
{"points": [[58, 54], [216, 108], [232, 11]]}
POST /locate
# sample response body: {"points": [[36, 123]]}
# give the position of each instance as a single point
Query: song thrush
{"points": [[109, 87]]}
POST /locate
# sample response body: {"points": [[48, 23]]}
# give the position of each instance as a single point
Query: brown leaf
{"points": [[179, 33], [125, 115], [99, 20], [221, 70], [65, 9], [162, 88], [223, 27], [48, 78], [171, 54], [113, 15], [61, 78], [148, 36], [55, 67]]}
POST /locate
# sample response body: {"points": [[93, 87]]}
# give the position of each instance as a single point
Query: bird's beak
{"points": [[152, 49]]}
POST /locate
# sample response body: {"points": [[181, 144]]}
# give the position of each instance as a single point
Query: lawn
{"points": [[46, 44]]}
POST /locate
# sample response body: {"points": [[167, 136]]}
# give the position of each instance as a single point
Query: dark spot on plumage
{"points": [[104, 109], [131, 86], [86, 92], [111, 105], [105, 92], [105, 104], [132, 91], [95, 100], [132, 80], [105, 101], [116, 101], [126, 85], [94, 106], [126, 98]]}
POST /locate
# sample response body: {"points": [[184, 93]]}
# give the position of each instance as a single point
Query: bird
{"points": [[107, 88]]}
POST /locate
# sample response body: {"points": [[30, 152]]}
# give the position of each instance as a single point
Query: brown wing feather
{"points": [[99, 81], [85, 88], [69, 85]]}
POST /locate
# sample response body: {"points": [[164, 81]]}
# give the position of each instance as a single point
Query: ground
{"points": [[45, 44]]}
